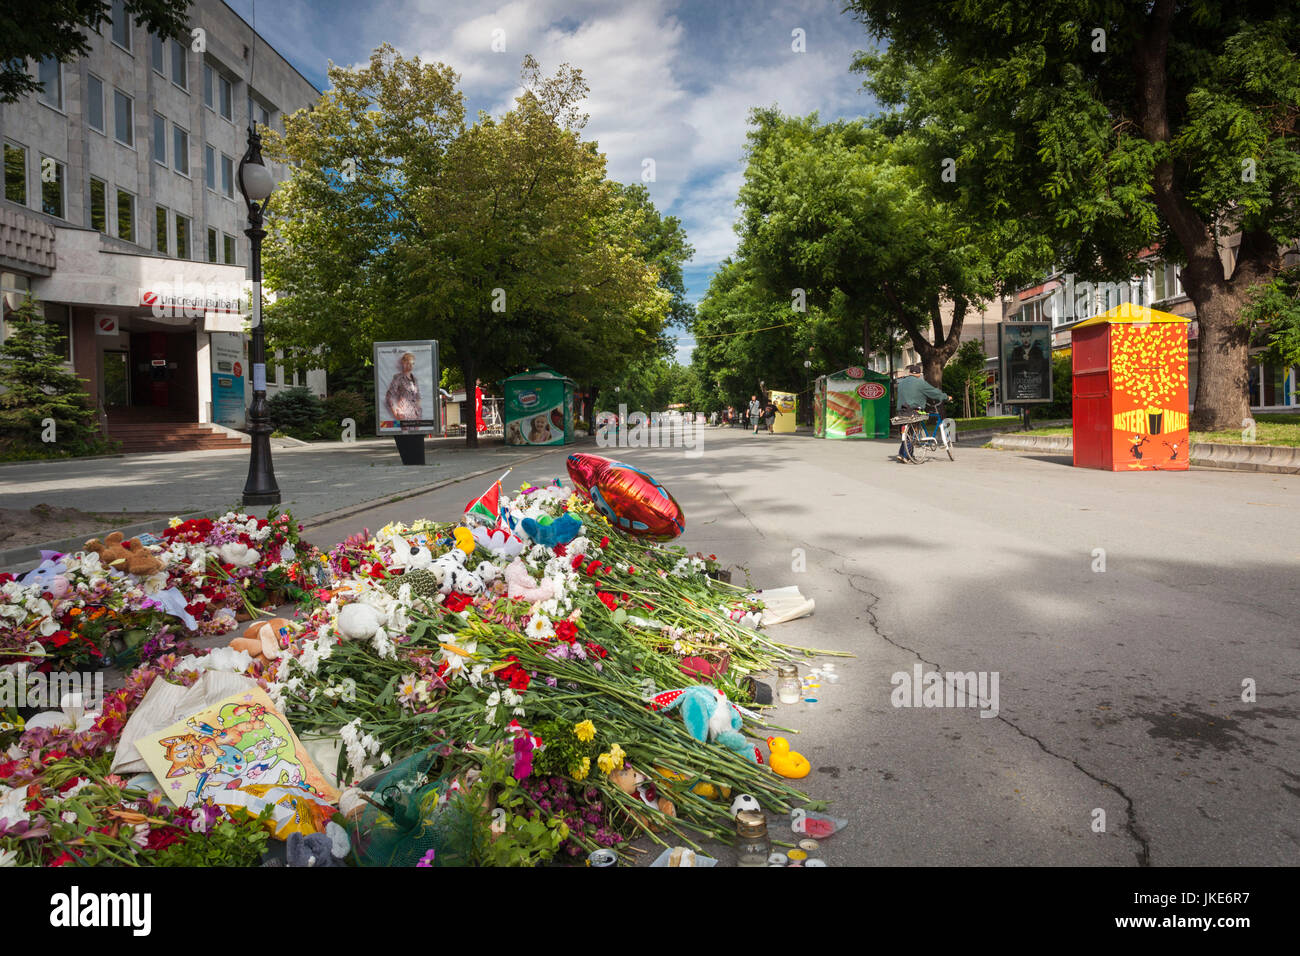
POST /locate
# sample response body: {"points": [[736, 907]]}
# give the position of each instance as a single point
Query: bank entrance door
{"points": [[117, 378]]}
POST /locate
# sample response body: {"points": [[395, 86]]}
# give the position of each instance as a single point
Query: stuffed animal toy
{"points": [[552, 532], [311, 849], [358, 622], [238, 554], [464, 539], [410, 557], [635, 784], [462, 581], [499, 540], [709, 716], [129, 556], [521, 585], [261, 639]]}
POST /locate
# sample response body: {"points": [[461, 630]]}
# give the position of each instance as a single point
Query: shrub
{"points": [[296, 412], [353, 405]]}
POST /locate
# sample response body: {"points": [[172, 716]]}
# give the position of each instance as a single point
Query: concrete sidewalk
{"points": [[315, 480]]}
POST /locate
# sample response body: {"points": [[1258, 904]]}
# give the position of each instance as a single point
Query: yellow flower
{"points": [[175, 523], [585, 731], [617, 755], [606, 763], [582, 771]]}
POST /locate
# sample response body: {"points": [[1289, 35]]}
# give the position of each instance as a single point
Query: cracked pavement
{"points": [[1120, 695]]}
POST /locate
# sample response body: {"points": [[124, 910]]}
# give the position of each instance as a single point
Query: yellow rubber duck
{"points": [[785, 762]]}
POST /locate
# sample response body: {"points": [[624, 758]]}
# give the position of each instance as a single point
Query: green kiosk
{"points": [[853, 403], [539, 407]]}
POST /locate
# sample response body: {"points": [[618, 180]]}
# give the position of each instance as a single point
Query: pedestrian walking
{"points": [[769, 416], [755, 412]]}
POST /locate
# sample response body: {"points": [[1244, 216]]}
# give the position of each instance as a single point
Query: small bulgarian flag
{"points": [[487, 506]]}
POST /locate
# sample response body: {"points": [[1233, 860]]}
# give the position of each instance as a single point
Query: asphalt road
{"points": [[1118, 690]]}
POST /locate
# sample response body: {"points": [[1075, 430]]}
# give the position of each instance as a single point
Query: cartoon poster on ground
{"points": [[238, 748]]}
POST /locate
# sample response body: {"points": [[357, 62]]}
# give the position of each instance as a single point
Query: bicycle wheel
{"points": [[909, 445]]}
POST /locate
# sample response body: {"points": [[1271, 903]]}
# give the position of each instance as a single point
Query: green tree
{"points": [[843, 209], [41, 28], [965, 380], [1096, 130], [1273, 311], [503, 240], [44, 408]]}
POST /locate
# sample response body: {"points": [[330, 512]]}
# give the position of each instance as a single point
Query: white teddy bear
{"points": [[410, 557]]}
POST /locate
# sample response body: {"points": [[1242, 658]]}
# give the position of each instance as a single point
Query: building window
{"points": [[210, 167], [157, 56], [180, 67], [53, 175], [180, 150], [227, 175], [121, 25], [225, 97], [99, 205], [95, 103], [1165, 282], [228, 248], [125, 215], [159, 139], [123, 118], [59, 317], [183, 237], [212, 245], [160, 229], [16, 173], [50, 73], [208, 100], [258, 113]]}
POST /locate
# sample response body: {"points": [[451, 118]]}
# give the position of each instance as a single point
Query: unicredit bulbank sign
{"points": [[194, 300]]}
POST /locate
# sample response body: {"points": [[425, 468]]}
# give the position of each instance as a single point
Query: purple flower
{"points": [[427, 859]]}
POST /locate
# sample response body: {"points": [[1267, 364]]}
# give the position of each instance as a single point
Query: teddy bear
{"points": [[635, 784], [522, 586], [358, 621], [129, 556], [261, 639]]}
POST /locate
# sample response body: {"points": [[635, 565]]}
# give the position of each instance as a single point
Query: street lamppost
{"points": [[255, 184], [807, 387]]}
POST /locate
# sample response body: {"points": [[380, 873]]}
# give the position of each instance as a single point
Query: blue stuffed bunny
{"points": [[708, 715]]}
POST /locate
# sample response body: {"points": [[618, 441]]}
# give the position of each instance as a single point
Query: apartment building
{"points": [[122, 215]]}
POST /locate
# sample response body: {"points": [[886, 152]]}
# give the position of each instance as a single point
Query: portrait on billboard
{"points": [[406, 387], [1025, 353]]}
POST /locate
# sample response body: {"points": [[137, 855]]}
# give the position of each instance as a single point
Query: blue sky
{"points": [[670, 81]]}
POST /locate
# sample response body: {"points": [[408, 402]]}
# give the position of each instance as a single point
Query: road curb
{"points": [[328, 517], [1272, 459]]}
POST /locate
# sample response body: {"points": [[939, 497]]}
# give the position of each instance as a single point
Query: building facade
{"points": [[122, 215]]}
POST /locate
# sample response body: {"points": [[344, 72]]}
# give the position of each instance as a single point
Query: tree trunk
{"points": [[1223, 354], [866, 339], [469, 369]]}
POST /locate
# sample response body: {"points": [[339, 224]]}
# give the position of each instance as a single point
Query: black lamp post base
{"points": [[261, 498]]}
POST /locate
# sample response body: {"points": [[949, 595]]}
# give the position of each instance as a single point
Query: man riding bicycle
{"points": [[912, 391]]}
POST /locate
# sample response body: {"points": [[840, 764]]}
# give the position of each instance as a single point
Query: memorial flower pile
{"points": [[538, 679]]}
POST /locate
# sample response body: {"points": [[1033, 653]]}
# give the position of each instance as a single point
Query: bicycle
{"points": [[923, 435]]}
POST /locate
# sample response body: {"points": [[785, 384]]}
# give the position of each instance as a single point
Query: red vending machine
{"points": [[1130, 390]]}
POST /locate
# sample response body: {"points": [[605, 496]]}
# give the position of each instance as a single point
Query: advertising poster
{"points": [[857, 404], [1025, 357], [229, 365], [406, 388], [785, 412], [1148, 374], [535, 413]]}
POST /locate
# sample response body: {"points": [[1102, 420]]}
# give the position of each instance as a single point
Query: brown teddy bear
{"points": [[129, 556], [634, 784], [261, 639]]}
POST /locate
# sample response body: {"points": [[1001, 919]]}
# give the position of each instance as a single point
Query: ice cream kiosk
{"points": [[853, 403], [539, 407], [1130, 390]]}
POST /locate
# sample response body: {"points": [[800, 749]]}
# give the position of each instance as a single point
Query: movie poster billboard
{"points": [[406, 388], [1025, 360]]}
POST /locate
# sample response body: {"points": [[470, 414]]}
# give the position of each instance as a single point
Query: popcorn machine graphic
{"points": [[1130, 391]]}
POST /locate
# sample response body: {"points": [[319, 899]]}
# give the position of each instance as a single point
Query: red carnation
{"points": [[455, 602], [604, 542], [607, 599], [566, 631]]}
